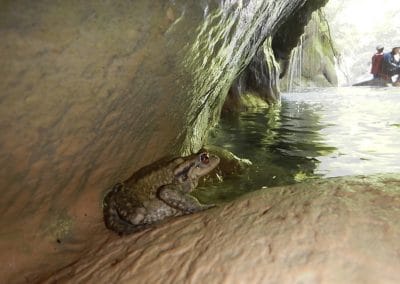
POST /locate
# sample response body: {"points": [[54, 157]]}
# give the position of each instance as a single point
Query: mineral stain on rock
{"points": [[58, 227]]}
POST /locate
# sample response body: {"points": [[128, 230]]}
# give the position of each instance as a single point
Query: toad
{"points": [[156, 192]]}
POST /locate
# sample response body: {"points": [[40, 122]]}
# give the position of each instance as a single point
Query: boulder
{"points": [[339, 230]]}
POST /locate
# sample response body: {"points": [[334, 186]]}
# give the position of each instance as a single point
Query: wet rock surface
{"points": [[315, 56], [341, 230], [230, 164], [319, 53]]}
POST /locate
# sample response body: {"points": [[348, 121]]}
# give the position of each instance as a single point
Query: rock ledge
{"points": [[341, 230]]}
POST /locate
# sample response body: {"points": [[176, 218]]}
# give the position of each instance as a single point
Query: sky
{"points": [[366, 15]]}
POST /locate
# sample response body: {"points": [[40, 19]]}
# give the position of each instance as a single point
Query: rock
{"points": [[374, 83], [340, 230], [90, 92], [260, 79], [316, 56], [229, 164], [243, 102]]}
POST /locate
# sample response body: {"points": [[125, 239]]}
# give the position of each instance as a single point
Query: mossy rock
{"points": [[230, 164]]}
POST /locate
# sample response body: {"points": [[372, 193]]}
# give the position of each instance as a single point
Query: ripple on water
{"points": [[316, 133]]}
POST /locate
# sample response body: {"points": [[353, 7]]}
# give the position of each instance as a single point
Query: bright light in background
{"points": [[365, 15], [358, 26]]}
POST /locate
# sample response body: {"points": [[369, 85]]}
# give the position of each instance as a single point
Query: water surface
{"points": [[316, 133]]}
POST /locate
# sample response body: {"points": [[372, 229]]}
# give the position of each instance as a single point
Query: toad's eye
{"points": [[204, 158]]}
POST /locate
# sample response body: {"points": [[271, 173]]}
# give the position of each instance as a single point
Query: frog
{"points": [[156, 192]]}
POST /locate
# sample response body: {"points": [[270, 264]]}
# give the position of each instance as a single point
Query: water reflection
{"points": [[361, 127], [314, 134], [282, 142]]}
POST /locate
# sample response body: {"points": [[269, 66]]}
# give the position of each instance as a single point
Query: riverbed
{"points": [[312, 134]]}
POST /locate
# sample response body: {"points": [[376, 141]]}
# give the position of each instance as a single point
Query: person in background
{"points": [[377, 58], [391, 64], [396, 56], [397, 60]]}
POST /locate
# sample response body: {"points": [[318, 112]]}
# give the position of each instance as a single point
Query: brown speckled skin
{"points": [[155, 192]]}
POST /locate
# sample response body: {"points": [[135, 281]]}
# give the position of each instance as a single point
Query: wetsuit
{"points": [[390, 66]]}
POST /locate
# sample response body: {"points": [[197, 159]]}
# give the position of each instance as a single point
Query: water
{"points": [[316, 133]]}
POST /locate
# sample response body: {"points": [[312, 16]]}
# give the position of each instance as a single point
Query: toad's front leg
{"points": [[177, 198]]}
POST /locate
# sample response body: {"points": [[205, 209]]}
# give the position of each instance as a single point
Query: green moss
{"points": [[59, 226], [300, 176], [252, 101], [317, 56]]}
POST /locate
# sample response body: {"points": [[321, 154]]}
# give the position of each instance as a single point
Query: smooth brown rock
{"points": [[92, 91], [342, 230]]}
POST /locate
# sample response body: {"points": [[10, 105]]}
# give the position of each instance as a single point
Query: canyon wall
{"points": [[313, 61], [269, 67]]}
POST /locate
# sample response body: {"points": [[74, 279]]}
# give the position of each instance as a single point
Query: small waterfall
{"points": [[295, 67]]}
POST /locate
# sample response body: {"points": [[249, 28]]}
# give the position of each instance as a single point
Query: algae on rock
{"points": [[312, 62]]}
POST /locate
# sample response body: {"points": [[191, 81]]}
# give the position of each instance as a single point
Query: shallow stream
{"points": [[315, 133]]}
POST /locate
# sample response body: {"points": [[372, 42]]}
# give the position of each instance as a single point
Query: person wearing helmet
{"points": [[391, 64]]}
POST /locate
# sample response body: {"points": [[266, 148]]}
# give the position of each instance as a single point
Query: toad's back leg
{"points": [[122, 213]]}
